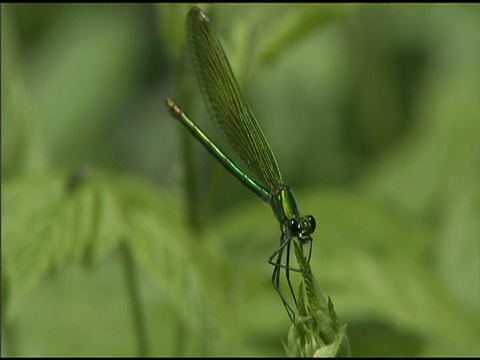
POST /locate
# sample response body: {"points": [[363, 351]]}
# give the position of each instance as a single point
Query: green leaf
{"points": [[21, 145], [372, 263], [162, 253], [440, 159], [317, 331], [370, 260], [52, 221], [296, 25], [46, 225], [458, 250]]}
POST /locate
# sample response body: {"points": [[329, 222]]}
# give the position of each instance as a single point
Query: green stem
{"points": [[193, 219], [317, 332], [139, 325], [184, 95]]}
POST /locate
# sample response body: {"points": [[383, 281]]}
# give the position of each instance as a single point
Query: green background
{"points": [[373, 114]]}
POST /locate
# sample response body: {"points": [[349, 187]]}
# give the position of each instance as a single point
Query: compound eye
{"points": [[294, 226], [313, 223]]}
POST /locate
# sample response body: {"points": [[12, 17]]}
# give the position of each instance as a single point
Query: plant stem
{"points": [[139, 325], [317, 332]]}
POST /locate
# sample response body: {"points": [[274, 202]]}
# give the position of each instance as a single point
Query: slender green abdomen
{"points": [[213, 149]]}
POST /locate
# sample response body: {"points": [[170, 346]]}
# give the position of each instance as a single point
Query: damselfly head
{"points": [[303, 227]]}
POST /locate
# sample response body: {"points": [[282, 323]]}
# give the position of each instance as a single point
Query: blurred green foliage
{"points": [[372, 111]]}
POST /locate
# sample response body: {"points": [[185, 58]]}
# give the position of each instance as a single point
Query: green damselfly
{"points": [[252, 161]]}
